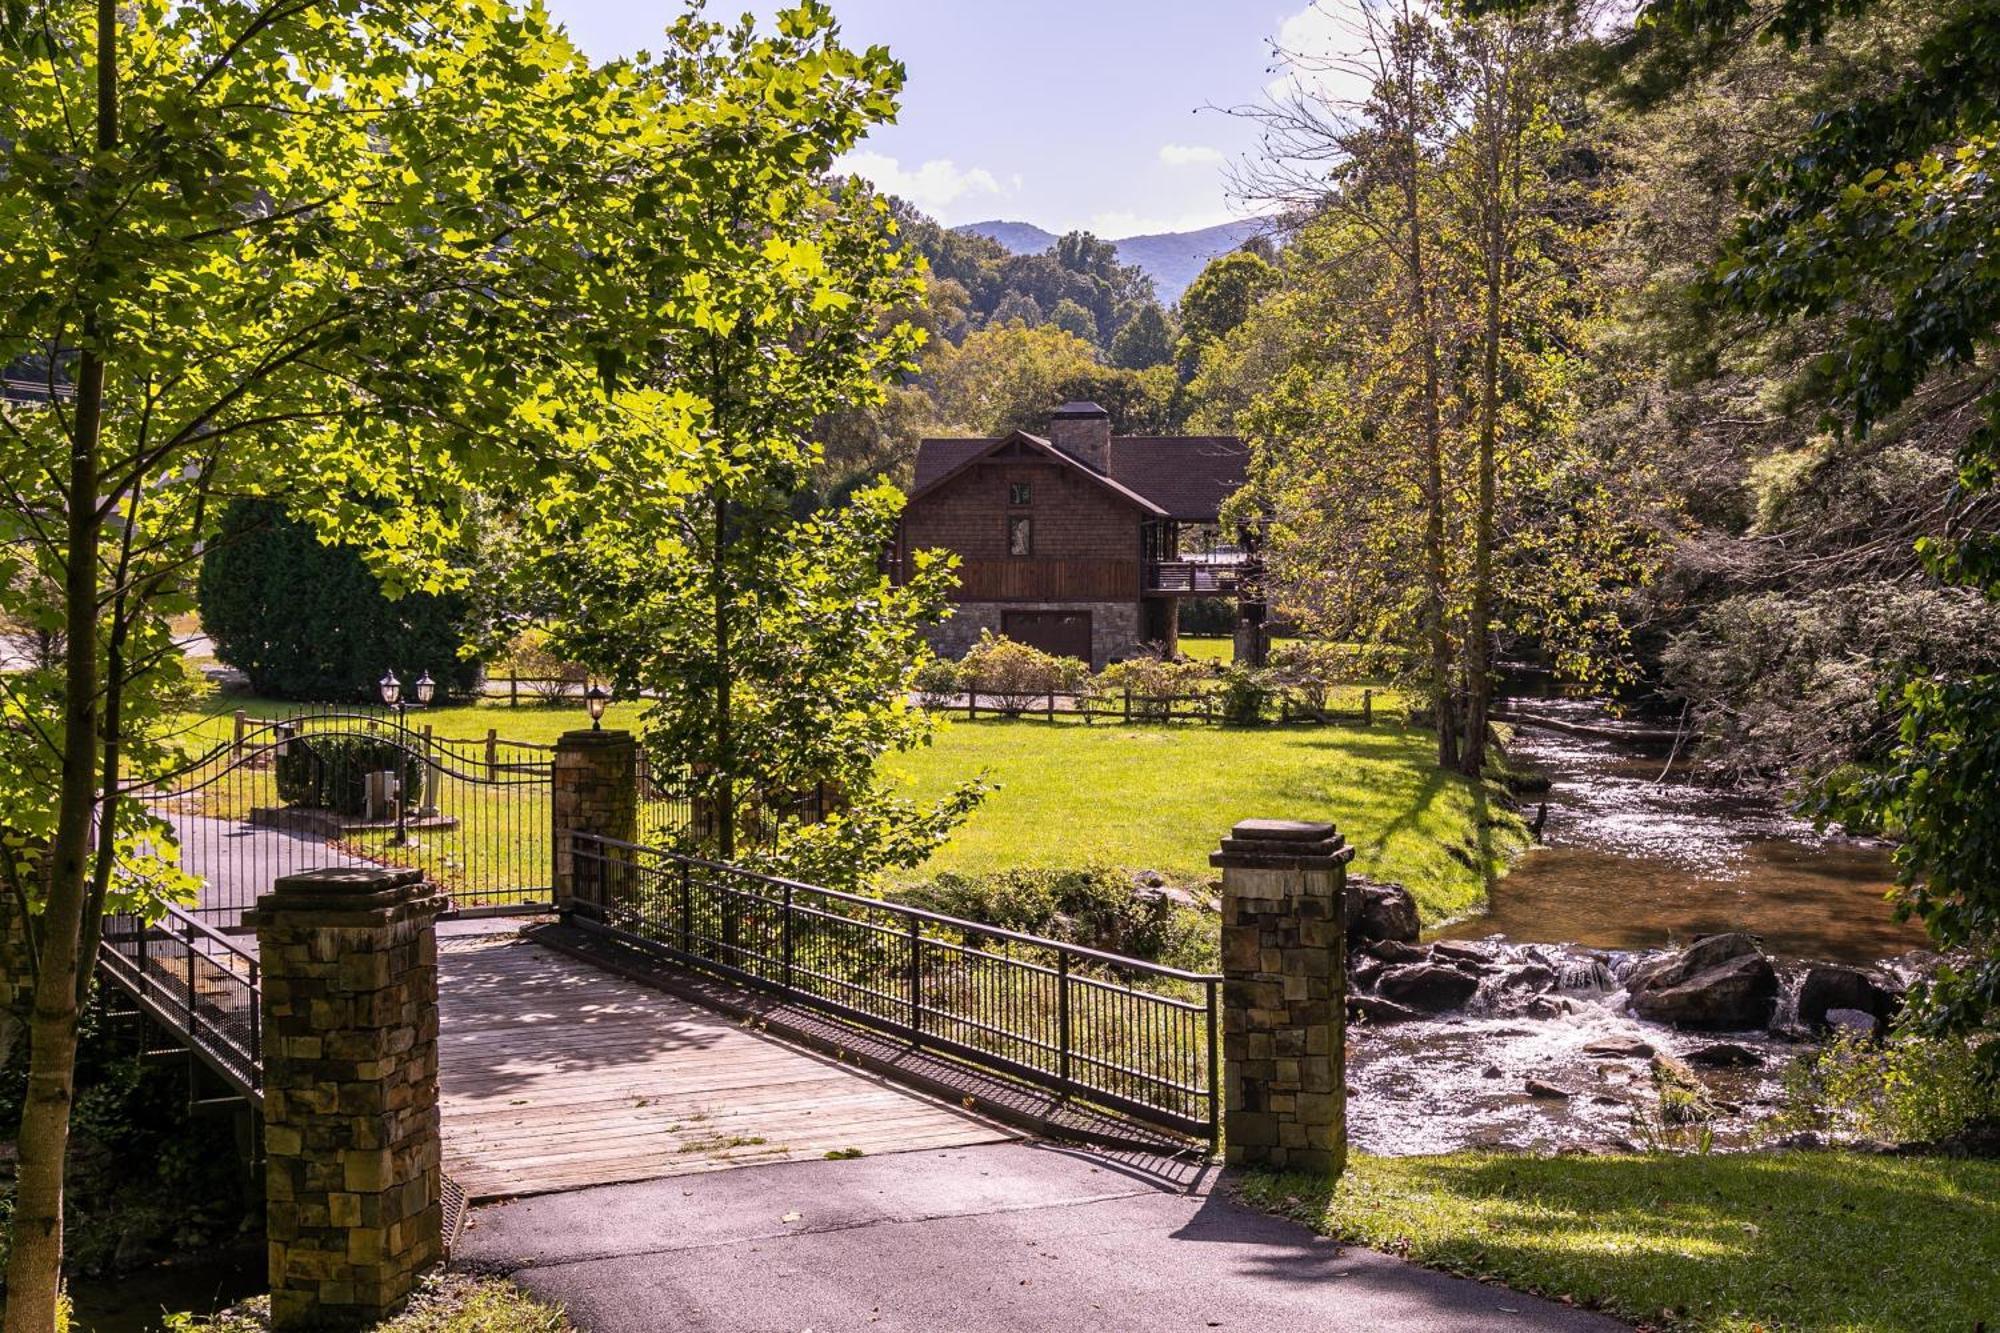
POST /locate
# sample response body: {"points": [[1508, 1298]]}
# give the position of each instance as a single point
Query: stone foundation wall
{"points": [[595, 789], [1114, 627]]}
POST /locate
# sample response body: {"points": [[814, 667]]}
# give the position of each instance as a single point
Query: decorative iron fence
{"points": [[672, 815], [193, 981], [343, 788], [1126, 1034], [1129, 706]]}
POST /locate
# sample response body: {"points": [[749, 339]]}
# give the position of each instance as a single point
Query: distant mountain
{"points": [[1170, 259]]}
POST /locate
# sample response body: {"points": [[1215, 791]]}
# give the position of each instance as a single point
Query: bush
{"points": [[331, 772], [550, 677], [1096, 906], [1014, 677], [1904, 1090], [1246, 693], [307, 621], [1308, 672], [937, 683], [1155, 683]]}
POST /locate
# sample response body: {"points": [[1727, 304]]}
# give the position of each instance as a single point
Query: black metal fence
{"points": [[316, 789], [195, 982], [671, 814], [1125, 1034]]}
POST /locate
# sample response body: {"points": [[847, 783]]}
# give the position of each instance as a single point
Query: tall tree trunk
{"points": [[725, 755], [1479, 632], [34, 1262]]}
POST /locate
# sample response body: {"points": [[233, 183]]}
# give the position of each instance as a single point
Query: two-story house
{"points": [[1078, 542]]}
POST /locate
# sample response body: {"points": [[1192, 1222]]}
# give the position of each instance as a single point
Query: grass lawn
{"points": [[444, 1303], [1815, 1240], [1159, 797], [1218, 649], [538, 723]]}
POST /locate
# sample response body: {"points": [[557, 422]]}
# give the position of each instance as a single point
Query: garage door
{"points": [[1064, 633]]}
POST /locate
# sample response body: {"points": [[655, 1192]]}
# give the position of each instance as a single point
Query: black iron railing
{"points": [[1124, 1034], [196, 983]]}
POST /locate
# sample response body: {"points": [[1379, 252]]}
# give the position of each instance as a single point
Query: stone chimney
{"points": [[1083, 431]]}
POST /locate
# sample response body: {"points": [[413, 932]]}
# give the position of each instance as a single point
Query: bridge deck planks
{"points": [[555, 1074]]}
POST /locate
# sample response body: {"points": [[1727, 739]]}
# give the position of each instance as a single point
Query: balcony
{"points": [[1198, 576]]}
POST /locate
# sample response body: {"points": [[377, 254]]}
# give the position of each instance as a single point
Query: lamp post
{"points": [[391, 691], [595, 698]]}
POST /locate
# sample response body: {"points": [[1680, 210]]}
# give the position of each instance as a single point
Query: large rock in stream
{"points": [[1722, 982], [1377, 911], [1427, 986], [1827, 988]]}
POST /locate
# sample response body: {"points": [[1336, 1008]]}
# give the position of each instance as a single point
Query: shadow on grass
{"points": [[1813, 1240]]}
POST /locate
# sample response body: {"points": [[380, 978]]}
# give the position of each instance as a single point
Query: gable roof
{"points": [[1053, 454], [1185, 477]]}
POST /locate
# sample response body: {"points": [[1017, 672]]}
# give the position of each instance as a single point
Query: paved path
{"points": [[238, 860], [972, 1240], [555, 1074]]}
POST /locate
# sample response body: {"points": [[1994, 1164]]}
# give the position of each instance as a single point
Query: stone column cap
{"points": [[1281, 844], [594, 736], [367, 890]]}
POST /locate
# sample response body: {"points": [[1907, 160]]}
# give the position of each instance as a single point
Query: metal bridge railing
{"points": [[195, 982], [1122, 1033]]}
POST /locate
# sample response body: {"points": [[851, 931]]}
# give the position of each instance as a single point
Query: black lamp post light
{"points": [[595, 699], [391, 690]]}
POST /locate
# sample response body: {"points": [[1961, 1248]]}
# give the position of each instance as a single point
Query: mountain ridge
{"points": [[1172, 259]]}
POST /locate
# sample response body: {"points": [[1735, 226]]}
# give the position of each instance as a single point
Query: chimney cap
{"points": [[1078, 412]]}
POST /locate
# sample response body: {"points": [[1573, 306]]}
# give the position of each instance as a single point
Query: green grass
{"points": [[1822, 1241], [537, 722], [1217, 649], [1159, 797], [444, 1303]]}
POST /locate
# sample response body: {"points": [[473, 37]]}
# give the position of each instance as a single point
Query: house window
{"points": [[1020, 535], [1018, 493]]}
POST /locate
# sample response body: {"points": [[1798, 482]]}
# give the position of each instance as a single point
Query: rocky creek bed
{"points": [[1664, 931]]}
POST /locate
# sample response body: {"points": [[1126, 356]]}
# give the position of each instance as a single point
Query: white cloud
{"points": [[934, 186], [1190, 155], [1314, 50]]}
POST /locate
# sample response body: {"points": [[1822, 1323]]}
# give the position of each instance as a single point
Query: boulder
{"points": [[1364, 972], [1377, 911], [1827, 987], [1723, 982], [1724, 1055], [1449, 952], [1549, 1092], [1619, 1048], [1858, 1021], [1427, 986], [1529, 977], [1395, 951], [1705, 953]]}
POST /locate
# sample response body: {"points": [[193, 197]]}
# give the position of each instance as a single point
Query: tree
{"points": [[1218, 301], [1878, 217], [1414, 443], [346, 256], [1074, 320], [1144, 342], [305, 620], [773, 651]]}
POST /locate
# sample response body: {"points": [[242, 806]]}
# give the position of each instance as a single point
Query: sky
{"points": [[1100, 114]]}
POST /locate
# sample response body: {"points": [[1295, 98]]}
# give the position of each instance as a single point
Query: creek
{"points": [[1636, 858]]}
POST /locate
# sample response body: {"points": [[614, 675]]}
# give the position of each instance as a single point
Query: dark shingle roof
{"points": [[1188, 476]]}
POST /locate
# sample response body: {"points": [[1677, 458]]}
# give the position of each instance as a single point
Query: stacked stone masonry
{"points": [[596, 791], [1284, 1000], [353, 1184]]}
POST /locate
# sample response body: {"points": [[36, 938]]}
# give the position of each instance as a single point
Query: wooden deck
{"points": [[555, 1074]]}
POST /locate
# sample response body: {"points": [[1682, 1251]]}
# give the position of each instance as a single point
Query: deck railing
{"points": [[195, 982], [1122, 1033]]}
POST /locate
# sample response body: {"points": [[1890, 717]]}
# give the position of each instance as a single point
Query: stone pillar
{"points": [[352, 1181], [1284, 1036], [596, 776]]}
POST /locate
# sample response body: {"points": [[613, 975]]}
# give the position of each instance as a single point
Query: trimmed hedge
{"points": [[308, 621], [331, 772]]}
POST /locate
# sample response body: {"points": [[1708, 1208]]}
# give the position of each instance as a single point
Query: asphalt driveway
{"points": [[996, 1237]]}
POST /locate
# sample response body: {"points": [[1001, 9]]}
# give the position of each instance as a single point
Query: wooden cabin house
{"points": [[1078, 542]]}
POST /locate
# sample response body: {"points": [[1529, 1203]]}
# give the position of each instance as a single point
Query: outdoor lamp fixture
{"points": [[391, 688], [595, 698], [426, 689]]}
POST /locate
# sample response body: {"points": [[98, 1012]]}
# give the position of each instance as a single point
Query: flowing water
{"points": [[1634, 860]]}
